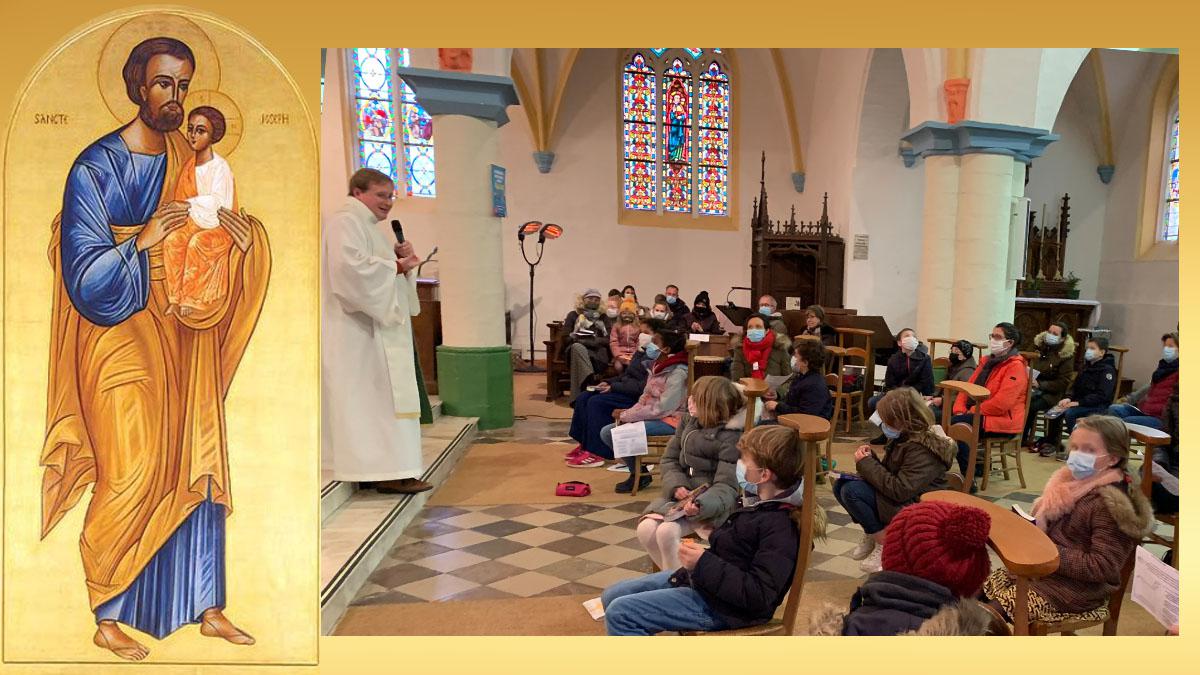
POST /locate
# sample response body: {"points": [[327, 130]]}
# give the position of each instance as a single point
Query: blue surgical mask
{"points": [[889, 432], [1052, 339], [765, 310], [1170, 354], [1091, 355], [1081, 464], [747, 487], [671, 299], [756, 334], [652, 351]]}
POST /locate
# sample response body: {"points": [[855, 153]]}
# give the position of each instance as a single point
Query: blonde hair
{"points": [[776, 448], [1113, 432], [904, 409], [716, 399]]}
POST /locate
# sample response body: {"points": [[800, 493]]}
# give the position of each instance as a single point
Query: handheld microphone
{"points": [[399, 231]]}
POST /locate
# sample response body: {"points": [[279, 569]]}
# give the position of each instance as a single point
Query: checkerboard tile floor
{"points": [[536, 550]]}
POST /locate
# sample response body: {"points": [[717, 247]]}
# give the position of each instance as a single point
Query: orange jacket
{"points": [[1008, 382]]}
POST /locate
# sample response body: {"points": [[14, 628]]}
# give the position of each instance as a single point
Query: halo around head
{"points": [[127, 36], [234, 122]]}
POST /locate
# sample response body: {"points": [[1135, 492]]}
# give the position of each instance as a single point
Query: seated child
{"points": [[805, 392], [196, 256], [703, 451], [934, 561], [1095, 517], [746, 573]]}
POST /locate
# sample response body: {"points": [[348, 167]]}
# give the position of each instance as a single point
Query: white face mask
{"points": [[644, 339], [611, 312], [909, 343], [658, 315], [996, 347]]}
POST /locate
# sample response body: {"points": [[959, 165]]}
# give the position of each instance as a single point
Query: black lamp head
{"points": [[528, 228]]}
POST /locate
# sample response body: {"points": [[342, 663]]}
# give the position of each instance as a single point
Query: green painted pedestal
{"points": [[477, 382]]}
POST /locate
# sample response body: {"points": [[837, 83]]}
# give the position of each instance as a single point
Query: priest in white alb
{"points": [[371, 411]]}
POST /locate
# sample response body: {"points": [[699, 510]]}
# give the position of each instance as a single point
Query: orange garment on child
{"points": [[196, 260]]}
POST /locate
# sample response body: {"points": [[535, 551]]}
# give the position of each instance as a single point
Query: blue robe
{"points": [[107, 283]]}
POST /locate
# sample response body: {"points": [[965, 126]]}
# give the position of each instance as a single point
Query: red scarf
{"points": [[758, 352], [671, 360]]}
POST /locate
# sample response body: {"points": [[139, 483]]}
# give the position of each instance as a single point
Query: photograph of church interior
{"points": [[763, 341]]}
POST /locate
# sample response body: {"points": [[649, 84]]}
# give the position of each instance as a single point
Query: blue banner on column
{"points": [[498, 207]]}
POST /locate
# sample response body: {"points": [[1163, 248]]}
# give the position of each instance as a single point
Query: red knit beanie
{"points": [[941, 542]]}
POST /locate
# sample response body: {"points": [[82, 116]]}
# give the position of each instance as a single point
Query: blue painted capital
{"points": [[1106, 172], [544, 161], [908, 155], [798, 181], [442, 92], [969, 137]]}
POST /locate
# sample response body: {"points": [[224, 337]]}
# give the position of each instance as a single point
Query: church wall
{"points": [[1069, 166], [1140, 297], [887, 201]]}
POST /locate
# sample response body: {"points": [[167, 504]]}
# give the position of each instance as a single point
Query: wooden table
{"points": [[1024, 549]]}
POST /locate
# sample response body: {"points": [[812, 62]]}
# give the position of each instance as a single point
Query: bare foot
{"points": [[214, 624], [109, 636]]}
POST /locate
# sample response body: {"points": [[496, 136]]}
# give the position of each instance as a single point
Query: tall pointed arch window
{"points": [[394, 134], [676, 112], [1169, 223]]}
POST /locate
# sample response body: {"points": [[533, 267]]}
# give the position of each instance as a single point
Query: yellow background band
{"points": [[294, 32]]}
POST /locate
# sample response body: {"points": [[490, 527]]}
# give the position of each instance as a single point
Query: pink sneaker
{"points": [[575, 452], [586, 460]]}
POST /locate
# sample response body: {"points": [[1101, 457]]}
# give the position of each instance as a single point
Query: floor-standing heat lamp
{"points": [[544, 232]]}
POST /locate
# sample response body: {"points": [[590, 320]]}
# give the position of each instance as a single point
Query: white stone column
{"points": [[980, 298], [469, 241], [934, 293]]}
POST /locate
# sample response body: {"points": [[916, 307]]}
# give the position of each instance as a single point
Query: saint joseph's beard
{"points": [[168, 117]]}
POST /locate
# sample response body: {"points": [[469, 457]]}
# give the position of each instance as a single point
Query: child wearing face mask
{"points": [[1055, 364], [1146, 405], [805, 392], [702, 319], [908, 367], [915, 460], [623, 341], [594, 410], [762, 352], [1005, 374], [745, 573], [1096, 518], [703, 451], [1090, 394]]}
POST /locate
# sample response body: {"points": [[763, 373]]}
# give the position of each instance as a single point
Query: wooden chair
{"points": [[847, 401], [1120, 353], [812, 431], [558, 377], [848, 335], [1153, 438], [1026, 551], [1007, 447], [939, 363], [657, 445], [969, 434]]}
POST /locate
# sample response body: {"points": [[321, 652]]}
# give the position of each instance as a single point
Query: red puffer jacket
{"points": [[1004, 412]]}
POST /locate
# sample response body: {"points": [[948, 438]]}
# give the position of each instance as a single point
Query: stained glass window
{"points": [[640, 135], [378, 138], [676, 131], [1170, 222]]}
